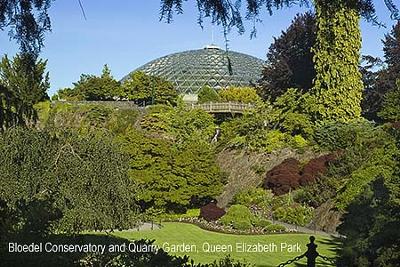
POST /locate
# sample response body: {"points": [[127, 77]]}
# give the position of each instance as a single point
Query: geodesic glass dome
{"points": [[189, 71]]}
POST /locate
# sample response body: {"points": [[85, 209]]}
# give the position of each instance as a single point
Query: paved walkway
{"points": [[290, 227], [143, 227], [306, 230]]}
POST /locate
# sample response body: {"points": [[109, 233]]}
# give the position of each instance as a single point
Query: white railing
{"points": [[223, 107]]}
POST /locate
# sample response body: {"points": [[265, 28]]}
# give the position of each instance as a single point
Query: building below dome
{"points": [[211, 66]]}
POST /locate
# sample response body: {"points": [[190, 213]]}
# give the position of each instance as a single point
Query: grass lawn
{"points": [[282, 247]]}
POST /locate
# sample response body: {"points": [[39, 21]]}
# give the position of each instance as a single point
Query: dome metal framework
{"points": [[189, 71]]}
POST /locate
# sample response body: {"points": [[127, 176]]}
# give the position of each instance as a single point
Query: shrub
{"points": [[242, 224], [254, 196], [298, 142], [284, 177], [79, 180], [238, 216], [294, 214], [261, 222], [211, 212], [207, 94], [190, 213], [337, 136], [239, 94], [390, 110], [318, 193], [315, 168]]}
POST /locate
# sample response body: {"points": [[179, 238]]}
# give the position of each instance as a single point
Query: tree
{"points": [[290, 59], [336, 94], [29, 82], [28, 21], [23, 83], [391, 105], [173, 177], [92, 88], [146, 89], [81, 179], [371, 69], [207, 94], [239, 94], [385, 80], [374, 243]]}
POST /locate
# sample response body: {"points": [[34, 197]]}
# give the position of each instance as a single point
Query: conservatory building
{"points": [[211, 66]]}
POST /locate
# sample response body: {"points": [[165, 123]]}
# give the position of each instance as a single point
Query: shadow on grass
{"points": [[321, 260], [335, 243]]}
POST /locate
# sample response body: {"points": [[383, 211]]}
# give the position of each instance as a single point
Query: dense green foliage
{"points": [[145, 89], [28, 21], [179, 124], [207, 94], [371, 70], [290, 60], [384, 78], [337, 90], [254, 196], [173, 177], [239, 217], [374, 243], [270, 127], [66, 183], [294, 214], [391, 105], [368, 152], [281, 208], [91, 87], [239, 94], [86, 117], [139, 87], [170, 156], [23, 83]]}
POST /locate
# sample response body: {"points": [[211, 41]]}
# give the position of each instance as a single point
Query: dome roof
{"points": [[189, 71]]}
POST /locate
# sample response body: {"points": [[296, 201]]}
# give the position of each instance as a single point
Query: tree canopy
{"points": [[290, 59], [23, 83], [92, 88], [28, 21], [146, 89], [385, 78], [82, 178], [228, 13]]}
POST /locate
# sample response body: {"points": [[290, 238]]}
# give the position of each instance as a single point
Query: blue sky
{"points": [[127, 34]]}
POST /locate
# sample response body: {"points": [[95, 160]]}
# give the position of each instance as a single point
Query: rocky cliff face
{"points": [[248, 169]]}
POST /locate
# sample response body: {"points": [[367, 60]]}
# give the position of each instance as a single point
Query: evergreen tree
{"points": [[23, 83], [290, 59], [371, 69], [391, 105], [28, 21], [69, 181], [374, 243], [386, 78]]}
